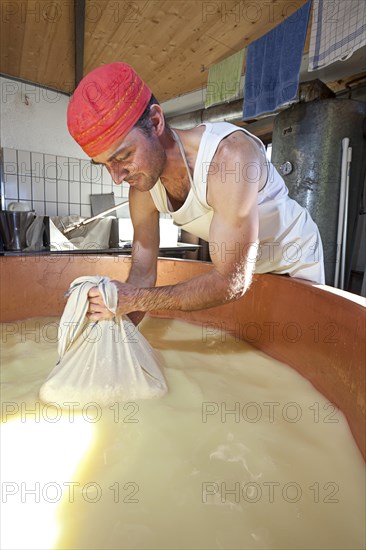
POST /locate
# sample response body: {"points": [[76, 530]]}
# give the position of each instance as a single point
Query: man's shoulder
{"points": [[237, 143]]}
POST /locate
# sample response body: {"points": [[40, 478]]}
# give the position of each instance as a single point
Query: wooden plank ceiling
{"points": [[171, 43]]}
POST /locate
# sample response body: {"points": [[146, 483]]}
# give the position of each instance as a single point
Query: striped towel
{"points": [[338, 30]]}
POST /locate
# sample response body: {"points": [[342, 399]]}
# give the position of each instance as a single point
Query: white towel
{"points": [[338, 29], [102, 361]]}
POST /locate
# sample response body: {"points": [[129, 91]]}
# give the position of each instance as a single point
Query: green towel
{"points": [[224, 79]]}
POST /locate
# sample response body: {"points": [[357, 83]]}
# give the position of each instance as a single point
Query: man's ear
{"points": [[157, 119]]}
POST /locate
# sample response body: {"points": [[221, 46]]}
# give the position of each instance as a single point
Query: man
{"points": [[215, 182]]}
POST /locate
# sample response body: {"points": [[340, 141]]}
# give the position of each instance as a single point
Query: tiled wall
{"points": [[55, 185]]}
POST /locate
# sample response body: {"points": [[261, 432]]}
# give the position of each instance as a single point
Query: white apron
{"points": [[289, 240]]}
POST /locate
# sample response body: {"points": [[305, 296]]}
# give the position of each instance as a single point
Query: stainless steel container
{"points": [[307, 151], [13, 229]]}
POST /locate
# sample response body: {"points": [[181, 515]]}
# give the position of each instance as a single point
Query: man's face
{"points": [[137, 159]]}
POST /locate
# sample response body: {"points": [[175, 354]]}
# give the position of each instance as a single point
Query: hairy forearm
{"points": [[202, 292], [141, 280]]}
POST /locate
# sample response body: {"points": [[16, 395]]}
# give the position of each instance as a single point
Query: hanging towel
{"points": [[338, 29], [224, 79], [101, 361], [273, 65]]}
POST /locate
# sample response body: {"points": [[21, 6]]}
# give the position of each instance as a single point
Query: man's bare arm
{"points": [[145, 246], [233, 240]]}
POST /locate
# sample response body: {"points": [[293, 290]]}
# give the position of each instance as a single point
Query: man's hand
{"points": [[98, 311]]}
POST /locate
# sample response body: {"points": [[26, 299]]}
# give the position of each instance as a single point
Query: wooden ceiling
{"points": [[171, 43]]}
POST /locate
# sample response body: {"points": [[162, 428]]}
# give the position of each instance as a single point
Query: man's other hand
{"points": [[98, 311]]}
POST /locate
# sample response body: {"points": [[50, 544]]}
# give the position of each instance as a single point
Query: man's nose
{"points": [[118, 173]]}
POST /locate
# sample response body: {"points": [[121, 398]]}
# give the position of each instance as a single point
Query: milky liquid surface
{"points": [[241, 453]]}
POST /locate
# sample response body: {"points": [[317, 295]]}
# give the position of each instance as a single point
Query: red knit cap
{"points": [[105, 106]]}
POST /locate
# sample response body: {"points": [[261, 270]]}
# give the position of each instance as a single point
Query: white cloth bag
{"points": [[100, 362]]}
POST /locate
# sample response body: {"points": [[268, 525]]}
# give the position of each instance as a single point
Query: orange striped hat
{"points": [[105, 106]]}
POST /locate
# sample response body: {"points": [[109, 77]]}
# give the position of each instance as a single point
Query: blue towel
{"points": [[273, 65]]}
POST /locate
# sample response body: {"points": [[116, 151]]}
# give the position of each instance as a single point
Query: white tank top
{"points": [[289, 239]]}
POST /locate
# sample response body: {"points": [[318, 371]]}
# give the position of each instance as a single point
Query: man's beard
{"points": [[156, 160]]}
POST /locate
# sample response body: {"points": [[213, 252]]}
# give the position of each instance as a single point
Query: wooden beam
{"points": [[79, 10]]}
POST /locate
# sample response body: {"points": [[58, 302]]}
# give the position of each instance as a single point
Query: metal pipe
{"points": [[226, 112], [345, 221], [88, 220], [79, 13], [345, 144]]}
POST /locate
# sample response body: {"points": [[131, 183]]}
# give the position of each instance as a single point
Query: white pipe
{"points": [[345, 220], [345, 145]]}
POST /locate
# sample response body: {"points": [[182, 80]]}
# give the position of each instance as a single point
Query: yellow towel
{"points": [[224, 80]]}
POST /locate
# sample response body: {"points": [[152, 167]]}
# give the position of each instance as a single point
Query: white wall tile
{"points": [[86, 169], [37, 163], [50, 167], [123, 212], [117, 190], [62, 168], [75, 209], [75, 191], [63, 209], [108, 188], [96, 189], [10, 167], [62, 191], [125, 192], [38, 190], [24, 165], [85, 211], [50, 187], [39, 208], [25, 192], [95, 173], [51, 208], [11, 186], [106, 177], [85, 193], [74, 167], [9, 155]]}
